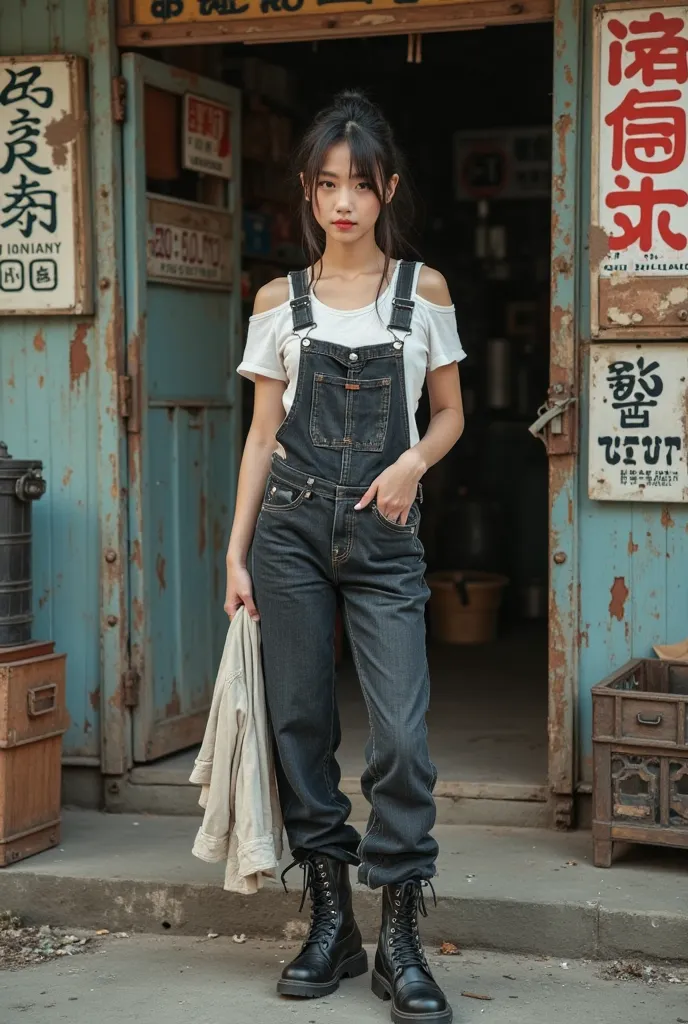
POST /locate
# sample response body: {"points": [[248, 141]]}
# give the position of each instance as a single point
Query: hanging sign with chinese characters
{"points": [[639, 233], [638, 423], [189, 244], [207, 12], [44, 239], [206, 138]]}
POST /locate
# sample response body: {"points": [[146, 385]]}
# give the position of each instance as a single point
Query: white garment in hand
{"points": [[242, 824]]}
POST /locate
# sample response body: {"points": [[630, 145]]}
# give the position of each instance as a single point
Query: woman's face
{"points": [[345, 207]]}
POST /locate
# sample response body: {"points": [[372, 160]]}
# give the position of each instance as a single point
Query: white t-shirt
{"points": [[273, 349]]}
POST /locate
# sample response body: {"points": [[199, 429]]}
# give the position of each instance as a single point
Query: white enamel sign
{"points": [[638, 423], [44, 241], [643, 111], [207, 139]]}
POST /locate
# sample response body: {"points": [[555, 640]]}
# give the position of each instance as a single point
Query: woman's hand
{"points": [[395, 489], [239, 591]]}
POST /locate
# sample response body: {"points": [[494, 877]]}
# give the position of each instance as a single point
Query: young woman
{"points": [[328, 497]]}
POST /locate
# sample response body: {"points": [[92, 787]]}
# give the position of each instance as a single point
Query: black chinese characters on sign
{"points": [[635, 388], [27, 202]]}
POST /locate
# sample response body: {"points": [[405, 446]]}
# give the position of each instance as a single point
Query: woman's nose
{"points": [[344, 199]]}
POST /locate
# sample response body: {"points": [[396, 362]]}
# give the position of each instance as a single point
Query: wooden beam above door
{"points": [[174, 23]]}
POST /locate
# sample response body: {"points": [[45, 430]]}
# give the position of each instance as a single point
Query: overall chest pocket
{"points": [[350, 413]]}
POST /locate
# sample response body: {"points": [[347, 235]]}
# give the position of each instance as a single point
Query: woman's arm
{"points": [[268, 413], [395, 488]]}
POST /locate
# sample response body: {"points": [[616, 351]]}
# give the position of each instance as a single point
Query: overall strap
{"points": [[402, 303], [301, 312]]}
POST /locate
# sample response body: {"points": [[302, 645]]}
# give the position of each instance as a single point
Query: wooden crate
{"points": [[640, 751], [32, 720]]}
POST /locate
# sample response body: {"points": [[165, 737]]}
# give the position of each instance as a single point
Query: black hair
{"points": [[354, 119]]}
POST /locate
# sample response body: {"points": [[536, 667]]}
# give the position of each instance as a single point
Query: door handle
{"points": [[644, 720]]}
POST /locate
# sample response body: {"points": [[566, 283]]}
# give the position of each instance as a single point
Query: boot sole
{"points": [[352, 967], [383, 990]]}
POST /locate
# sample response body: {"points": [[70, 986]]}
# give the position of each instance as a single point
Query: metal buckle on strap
{"points": [[300, 303], [407, 304], [419, 496]]}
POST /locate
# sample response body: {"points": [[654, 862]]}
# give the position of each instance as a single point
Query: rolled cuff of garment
{"points": [[210, 848]]}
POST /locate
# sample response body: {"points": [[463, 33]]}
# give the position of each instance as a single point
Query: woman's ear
{"points": [[391, 187], [303, 185]]}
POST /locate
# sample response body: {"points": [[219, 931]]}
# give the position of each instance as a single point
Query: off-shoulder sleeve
{"points": [[444, 344], [261, 354]]}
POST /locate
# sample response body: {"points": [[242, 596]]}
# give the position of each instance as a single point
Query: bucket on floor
{"points": [[464, 605]]}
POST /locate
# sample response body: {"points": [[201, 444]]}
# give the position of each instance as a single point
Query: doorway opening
{"points": [[476, 128], [472, 112]]}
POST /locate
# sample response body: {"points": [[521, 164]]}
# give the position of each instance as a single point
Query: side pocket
{"points": [[411, 525]]}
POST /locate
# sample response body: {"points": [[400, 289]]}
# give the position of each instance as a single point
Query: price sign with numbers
{"points": [[189, 244]]}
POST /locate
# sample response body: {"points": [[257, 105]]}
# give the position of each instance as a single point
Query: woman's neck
{"points": [[363, 257]]}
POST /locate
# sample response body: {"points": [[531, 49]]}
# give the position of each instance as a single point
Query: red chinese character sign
{"points": [[44, 238], [639, 235], [206, 140], [638, 438]]}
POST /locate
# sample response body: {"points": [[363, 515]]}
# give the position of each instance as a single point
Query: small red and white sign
{"points": [[643, 115], [206, 143]]}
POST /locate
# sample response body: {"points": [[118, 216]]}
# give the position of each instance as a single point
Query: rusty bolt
{"points": [[104, 193], [104, 284], [113, 788], [110, 555], [112, 620], [683, 314], [558, 388], [560, 557]]}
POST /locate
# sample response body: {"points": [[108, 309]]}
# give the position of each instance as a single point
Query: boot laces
{"points": [[406, 948], [317, 884]]}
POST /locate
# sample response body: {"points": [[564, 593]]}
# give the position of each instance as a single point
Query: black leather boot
{"points": [[401, 970], [333, 948]]}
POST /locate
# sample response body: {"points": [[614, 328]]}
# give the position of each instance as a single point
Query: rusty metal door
{"points": [[558, 422], [179, 398]]}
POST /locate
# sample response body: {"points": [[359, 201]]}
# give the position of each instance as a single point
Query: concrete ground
{"points": [[147, 980], [517, 890]]}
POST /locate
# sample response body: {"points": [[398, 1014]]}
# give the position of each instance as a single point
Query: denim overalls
{"points": [[348, 422]]}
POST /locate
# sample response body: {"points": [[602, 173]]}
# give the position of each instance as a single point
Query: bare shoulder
{"points": [[271, 295], [433, 287]]}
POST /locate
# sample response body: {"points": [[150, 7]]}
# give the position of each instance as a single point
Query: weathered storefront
{"points": [[138, 424]]}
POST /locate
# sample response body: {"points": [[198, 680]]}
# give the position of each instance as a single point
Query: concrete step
{"points": [[517, 890], [164, 789]]}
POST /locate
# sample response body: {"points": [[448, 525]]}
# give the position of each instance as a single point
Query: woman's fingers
{"points": [[368, 496], [250, 606]]}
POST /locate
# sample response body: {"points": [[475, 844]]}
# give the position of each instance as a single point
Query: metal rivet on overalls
{"points": [[353, 357], [397, 344], [306, 343]]}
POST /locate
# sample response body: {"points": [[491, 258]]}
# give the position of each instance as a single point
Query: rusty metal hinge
{"points": [[125, 391], [119, 100], [128, 402], [132, 681]]}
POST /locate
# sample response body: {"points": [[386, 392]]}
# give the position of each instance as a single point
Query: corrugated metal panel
{"points": [[633, 579], [50, 410]]}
